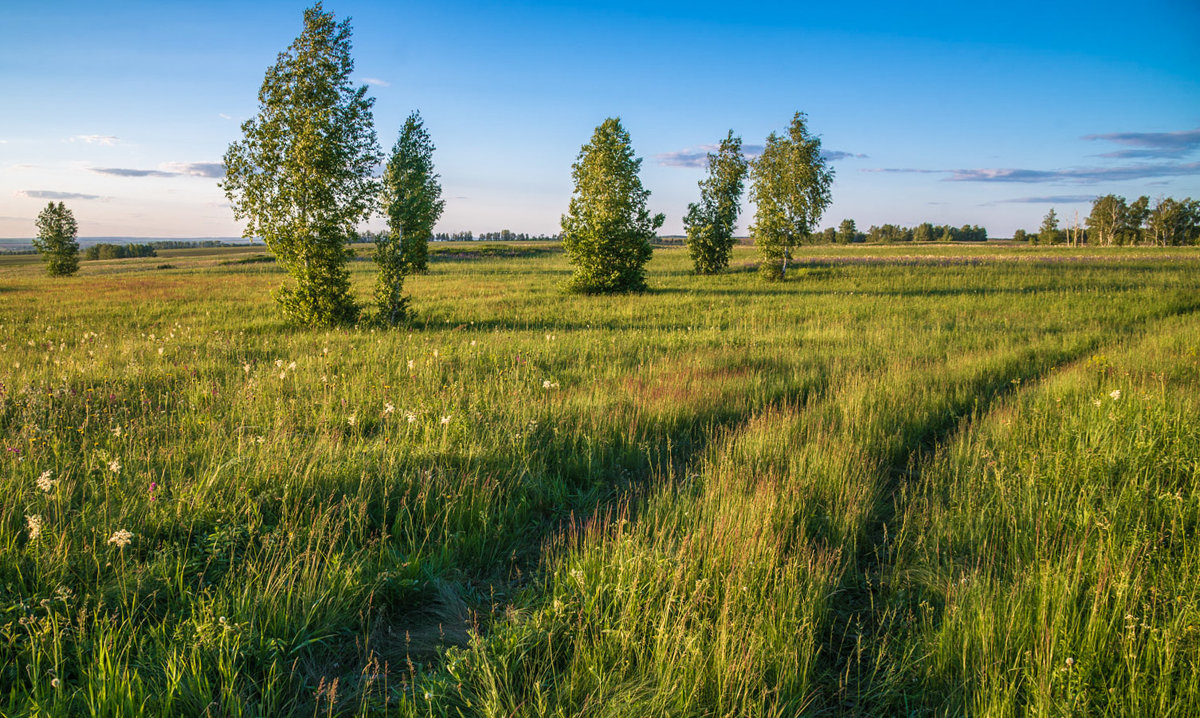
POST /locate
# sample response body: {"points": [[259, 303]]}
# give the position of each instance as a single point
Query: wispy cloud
{"points": [[836, 155], [1089, 175], [1151, 145], [48, 194], [214, 170], [95, 139], [376, 81], [1050, 199], [697, 157], [167, 169], [126, 172], [224, 116]]}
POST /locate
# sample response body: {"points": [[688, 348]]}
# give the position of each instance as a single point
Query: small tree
{"points": [[1020, 236], [847, 232], [56, 240], [412, 196], [302, 174], [607, 229], [1106, 218], [1048, 234], [710, 223], [791, 186], [390, 301]]}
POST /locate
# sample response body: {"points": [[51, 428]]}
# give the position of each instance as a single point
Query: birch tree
{"points": [[790, 184], [607, 229], [301, 176], [710, 222], [412, 195], [56, 240]]}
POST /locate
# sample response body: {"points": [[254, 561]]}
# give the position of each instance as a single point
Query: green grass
{"points": [[884, 487]]}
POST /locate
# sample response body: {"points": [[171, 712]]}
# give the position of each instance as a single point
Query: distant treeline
{"points": [[847, 233], [1113, 221], [503, 235], [193, 243], [119, 251]]}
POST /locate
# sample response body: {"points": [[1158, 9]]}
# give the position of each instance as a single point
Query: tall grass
{"points": [[717, 498]]}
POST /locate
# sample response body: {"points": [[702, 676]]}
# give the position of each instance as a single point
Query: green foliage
{"points": [[390, 301], [916, 484], [1174, 222], [790, 182], [301, 176], [412, 194], [1049, 234], [105, 250], [710, 223], [1170, 222], [1020, 236], [56, 241], [923, 232], [847, 232], [607, 229]]}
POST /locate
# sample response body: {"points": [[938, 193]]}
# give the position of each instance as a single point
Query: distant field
{"points": [[931, 479]]}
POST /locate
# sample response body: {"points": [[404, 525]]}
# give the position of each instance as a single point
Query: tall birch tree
{"points": [[301, 176], [710, 222], [790, 184]]}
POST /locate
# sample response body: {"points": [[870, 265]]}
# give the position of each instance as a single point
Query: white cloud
{"points": [[95, 139], [376, 81], [48, 194], [224, 116], [215, 170]]}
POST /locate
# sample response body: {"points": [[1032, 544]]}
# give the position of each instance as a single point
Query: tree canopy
{"points": [[301, 176], [56, 241], [710, 222], [412, 195], [791, 187], [607, 229]]}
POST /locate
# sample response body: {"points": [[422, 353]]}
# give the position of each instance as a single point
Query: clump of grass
{"points": [[717, 498]]}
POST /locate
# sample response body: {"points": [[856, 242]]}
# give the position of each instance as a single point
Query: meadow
{"points": [[944, 479]]}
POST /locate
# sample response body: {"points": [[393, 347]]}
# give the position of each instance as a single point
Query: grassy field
{"points": [[948, 480]]}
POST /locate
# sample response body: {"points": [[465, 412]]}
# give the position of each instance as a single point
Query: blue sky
{"points": [[935, 112]]}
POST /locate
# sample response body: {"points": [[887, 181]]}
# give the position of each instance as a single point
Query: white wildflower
{"points": [[446, 419], [1115, 394], [412, 364], [278, 363], [352, 419], [283, 375], [388, 408], [1097, 402], [46, 481], [115, 466], [116, 431], [121, 538], [292, 366], [246, 368], [411, 417], [35, 526], [160, 351], [549, 384]]}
